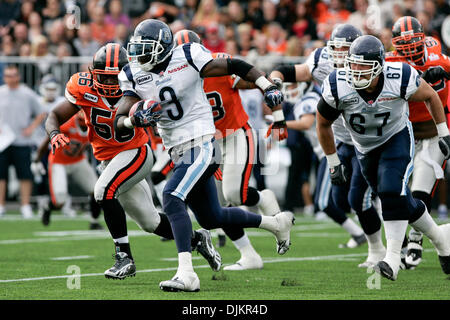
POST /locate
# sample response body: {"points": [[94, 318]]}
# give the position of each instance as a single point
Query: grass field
{"points": [[35, 260]]}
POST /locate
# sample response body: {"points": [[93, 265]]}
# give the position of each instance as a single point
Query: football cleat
{"points": [[384, 269], [206, 249], [445, 260], [246, 263], [45, 218], [222, 240], [373, 258], [354, 241], [268, 205], [285, 221], [124, 267], [414, 250], [95, 226], [182, 281]]}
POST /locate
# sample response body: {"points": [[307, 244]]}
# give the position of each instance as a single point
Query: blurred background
{"points": [[59, 38]]}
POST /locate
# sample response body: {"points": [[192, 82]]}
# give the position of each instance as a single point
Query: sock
{"points": [[395, 232], [185, 262], [122, 245], [164, 229], [115, 218], [352, 227], [428, 227], [269, 223], [94, 207], [245, 247], [253, 197]]}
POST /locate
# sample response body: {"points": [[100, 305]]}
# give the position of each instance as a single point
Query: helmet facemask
{"points": [[337, 56], [410, 45], [146, 53], [100, 83], [361, 78]]}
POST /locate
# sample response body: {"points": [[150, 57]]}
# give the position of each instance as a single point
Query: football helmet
{"points": [[408, 38], [185, 36], [294, 91], [342, 37], [49, 87], [151, 44], [106, 65], [364, 62]]}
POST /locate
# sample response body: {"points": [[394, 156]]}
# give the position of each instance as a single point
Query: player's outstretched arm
{"points": [[123, 123], [56, 118], [302, 124], [295, 73]]}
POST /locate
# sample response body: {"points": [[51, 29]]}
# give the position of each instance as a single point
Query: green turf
{"points": [[319, 276]]}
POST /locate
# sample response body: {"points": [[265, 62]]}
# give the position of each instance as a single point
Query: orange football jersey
{"points": [[74, 151], [418, 112], [100, 119], [154, 137], [229, 114]]}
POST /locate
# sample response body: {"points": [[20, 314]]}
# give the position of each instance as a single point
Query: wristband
{"points": [[333, 160], [442, 129], [263, 83], [127, 123], [278, 115]]}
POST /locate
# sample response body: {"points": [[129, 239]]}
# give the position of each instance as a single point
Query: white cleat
{"points": [[373, 258], [285, 221], [246, 263], [268, 205], [26, 211], [182, 281]]}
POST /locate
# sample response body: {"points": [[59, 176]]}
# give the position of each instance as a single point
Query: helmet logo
{"points": [[112, 68]]}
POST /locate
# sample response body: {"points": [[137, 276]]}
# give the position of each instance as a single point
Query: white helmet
{"points": [[49, 87]]}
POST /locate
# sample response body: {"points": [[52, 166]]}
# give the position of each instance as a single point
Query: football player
{"points": [[335, 200], [423, 54], [173, 77], [372, 96], [70, 162], [126, 159], [238, 145]]}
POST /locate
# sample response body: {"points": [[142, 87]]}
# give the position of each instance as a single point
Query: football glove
{"points": [[434, 74], [37, 168], [273, 96], [148, 117], [339, 175], [58, 140], [444, 145], [278, 82], [278, 129]]}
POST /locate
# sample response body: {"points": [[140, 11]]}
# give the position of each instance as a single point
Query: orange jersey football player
{"points": [[424, 54]]}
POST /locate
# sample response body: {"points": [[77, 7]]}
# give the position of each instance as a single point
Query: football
{"points": [[144, 105]]}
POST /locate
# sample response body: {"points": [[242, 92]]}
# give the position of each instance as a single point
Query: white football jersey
{"points": [[252, 101], [308, 105], [186, 110], [320, 67], [374, 122]]}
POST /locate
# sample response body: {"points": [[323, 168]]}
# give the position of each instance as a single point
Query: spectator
{"points": [[20, 119], [245, 38], [8, 48], [235, 12], [35, 25], [328, 19], [84, 44], [102, 32], [177, 25], [294, 47], [213, 40], [39, 48], [20, 35], [30, 72], [285, 16], [59, 68], [260, 50], [187, 11], [116, 15], [53, 11], [430, 7], [25, 11], [206, 14], [166, 11], [269, 10], [254, 14], [304, 25], [231, 47], [122, 35], [9, 11], [56, 36], [276, 38], [386, 39], [358, 18]]}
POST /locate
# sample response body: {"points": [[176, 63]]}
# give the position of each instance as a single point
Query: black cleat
{"points": [[354, 242], [206, 249], [95, 226], [385, 270], [124, 267], [445, 264], [46, 216]]}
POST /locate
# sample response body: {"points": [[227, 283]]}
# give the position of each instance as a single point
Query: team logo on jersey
{"points": [[90, 97], [178, 68], [354, 100], [386, 99], [158, 82], [433, 57], [144, 79]]}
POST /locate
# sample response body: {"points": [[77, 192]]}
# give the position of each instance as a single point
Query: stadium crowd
{"points": [[54, 29]]}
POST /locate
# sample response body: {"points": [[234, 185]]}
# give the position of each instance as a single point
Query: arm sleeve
{"points": [[327, 111]]}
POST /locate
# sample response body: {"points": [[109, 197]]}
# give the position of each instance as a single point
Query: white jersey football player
{"points": [[372, 97], [173, 77], [356, 193]]}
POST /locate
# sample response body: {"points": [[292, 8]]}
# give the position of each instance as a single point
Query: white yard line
{"points": [[71, 258], [266, 260]]}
